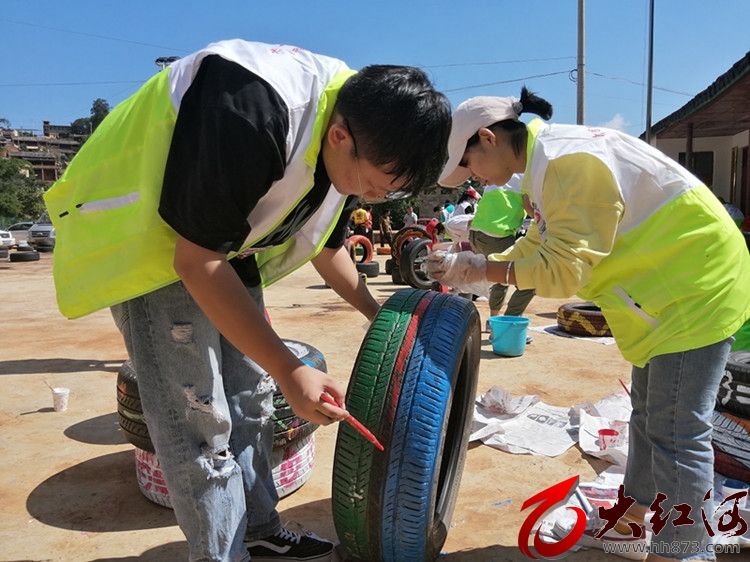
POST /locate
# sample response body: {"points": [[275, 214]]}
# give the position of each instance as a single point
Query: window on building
{"points": [[702, 166]]}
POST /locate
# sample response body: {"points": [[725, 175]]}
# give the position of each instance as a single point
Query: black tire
{"points": [[25, 248], [3, 253], [24, 256], [734, 390], [582, 319], [388, 266], [287, 426], [411, 270], [370, 269], [414, 385], [129, 409], [367, 250], [396, 278], [403, 236]]}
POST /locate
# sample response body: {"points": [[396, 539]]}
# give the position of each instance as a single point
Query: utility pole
{"points": [[164, 62], [581, 69], [650, 87]]}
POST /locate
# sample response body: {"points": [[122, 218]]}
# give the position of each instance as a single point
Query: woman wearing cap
{"points": [[467, 203], [618, 223]]}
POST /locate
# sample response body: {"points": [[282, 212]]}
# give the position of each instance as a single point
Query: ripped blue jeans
{"points": [[207, 407]]}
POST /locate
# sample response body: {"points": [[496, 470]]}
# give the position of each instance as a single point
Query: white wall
{"points": [[722, 149]]}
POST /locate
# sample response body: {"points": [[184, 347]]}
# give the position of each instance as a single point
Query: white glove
{"points": [[463, 271]]}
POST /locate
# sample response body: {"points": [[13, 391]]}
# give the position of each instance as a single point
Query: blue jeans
{"points": [[670, 451], [208, 408]]}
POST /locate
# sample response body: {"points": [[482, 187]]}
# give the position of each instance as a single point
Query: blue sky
{"points": [[58, 57]]}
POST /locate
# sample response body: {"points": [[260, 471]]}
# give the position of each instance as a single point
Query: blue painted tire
{"points": [[414, 385]]}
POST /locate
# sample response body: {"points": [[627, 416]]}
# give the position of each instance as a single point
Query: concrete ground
{"points": [[68, 488]]}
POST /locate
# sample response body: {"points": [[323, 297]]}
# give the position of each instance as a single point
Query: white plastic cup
{"points": [[730, 486], [60, 397]]}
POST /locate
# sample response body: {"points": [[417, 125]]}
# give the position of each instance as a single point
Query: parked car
{"points": [[6, 239], [42, 233], [20, 231]]}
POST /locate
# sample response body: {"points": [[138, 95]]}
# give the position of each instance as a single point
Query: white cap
{"points": [[469, 117]]}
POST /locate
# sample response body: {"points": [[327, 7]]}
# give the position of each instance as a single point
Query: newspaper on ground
{"points": [[554, 330], [523, 424]]}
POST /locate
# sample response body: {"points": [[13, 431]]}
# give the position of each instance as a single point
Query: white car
{"points": [[6, 239], [20, 231]]}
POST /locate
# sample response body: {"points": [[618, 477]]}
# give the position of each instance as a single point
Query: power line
{"points": [[143, 44], [507, 81], [495, 62], [72, 84]]}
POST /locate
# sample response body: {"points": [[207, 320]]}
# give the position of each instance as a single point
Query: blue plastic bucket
{"points": [[508, 335]]}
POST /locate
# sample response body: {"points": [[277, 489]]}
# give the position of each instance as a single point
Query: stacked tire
{"points": [[292, 457], [731, 434], [402, 265], [361, 251]]}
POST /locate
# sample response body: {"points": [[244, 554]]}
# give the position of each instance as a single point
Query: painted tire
{"points": [[358, 240], [370, 269], [383, 251], [582, 319], [291, 467], [734, 390], [287, 426], [414, 385], [24, 256], [411, 271], [403, 236]]}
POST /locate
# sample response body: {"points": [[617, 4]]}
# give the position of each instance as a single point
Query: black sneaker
{"points": [[288, 546]]}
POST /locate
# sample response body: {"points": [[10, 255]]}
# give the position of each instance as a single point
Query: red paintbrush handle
{"points": [[354, 422]]}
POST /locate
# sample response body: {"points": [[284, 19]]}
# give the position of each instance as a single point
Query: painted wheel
{"points": [[287, 426], [363, 241], [383, 251], [403, 236], [411, 270], [370, 269], [413, 385], [24, 256], [291, 467], [582, 319]]}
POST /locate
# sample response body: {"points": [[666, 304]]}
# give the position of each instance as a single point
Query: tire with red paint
{"points": [[403, 236], [413, 385], [358, 240], [291, 468]]}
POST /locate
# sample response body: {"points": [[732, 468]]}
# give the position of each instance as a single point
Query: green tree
{"points": [[99, 110], [20, 191], [4, 123], [81, 126]]}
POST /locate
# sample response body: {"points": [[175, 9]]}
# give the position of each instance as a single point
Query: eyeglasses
{"points": [[391, 195]]}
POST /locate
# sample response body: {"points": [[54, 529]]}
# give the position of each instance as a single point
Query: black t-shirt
{"points": [[228, 148]]}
